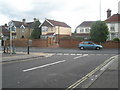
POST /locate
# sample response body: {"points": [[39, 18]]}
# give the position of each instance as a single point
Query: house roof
{"points": [[113, 18], [57, 23], [86, 24], [26, 24]]}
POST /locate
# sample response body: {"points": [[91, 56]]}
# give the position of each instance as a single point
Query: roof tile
{"points": [[113, 18], [58, 23]]}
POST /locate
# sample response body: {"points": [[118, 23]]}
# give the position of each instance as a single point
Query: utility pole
{"points": [[10, 28], [100, 9]]}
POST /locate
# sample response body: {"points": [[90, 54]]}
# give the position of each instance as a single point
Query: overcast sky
{"points": [[72, 12]]}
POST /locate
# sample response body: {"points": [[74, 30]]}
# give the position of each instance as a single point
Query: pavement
{"points": [[21, 56], [107, 79]]}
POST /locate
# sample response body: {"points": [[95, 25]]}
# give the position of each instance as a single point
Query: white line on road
{"points": [[72, 54], [59, 54], [30, 69], [66, 54], [80, 56]]}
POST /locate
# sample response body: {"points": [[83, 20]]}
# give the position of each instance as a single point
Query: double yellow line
{"points": [[74, 85]]}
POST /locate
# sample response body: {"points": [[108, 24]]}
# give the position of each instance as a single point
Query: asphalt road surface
{"points": [[58, 71], [68, 50]]}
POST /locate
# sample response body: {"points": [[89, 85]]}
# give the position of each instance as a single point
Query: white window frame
{"points": [[87, 30], [112, 27], [44, 29], [81, 30]]}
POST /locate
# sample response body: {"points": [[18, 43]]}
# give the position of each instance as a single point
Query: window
{"points": [[81, 30], [112, 27], [44, 29], [87, 30]]}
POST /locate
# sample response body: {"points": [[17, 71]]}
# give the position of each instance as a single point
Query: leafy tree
{"points": [[99, 31], [36, 30]]}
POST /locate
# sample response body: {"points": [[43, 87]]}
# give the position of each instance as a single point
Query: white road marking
{"points": [[80, 56], [77, 57], [85, 55], [72, 54], [66, 54], [38, 67], [59, 54]]}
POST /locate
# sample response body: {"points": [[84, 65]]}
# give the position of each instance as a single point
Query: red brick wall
{"points": [[69, 43], [17, 42], [63, 43], [74, 44], [39, 43], [23, 43], [110, 44]]}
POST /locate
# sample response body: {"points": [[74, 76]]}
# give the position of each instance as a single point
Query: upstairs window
{"points": [[81, 30], [44, 29], [87, 30], [112, 27]]}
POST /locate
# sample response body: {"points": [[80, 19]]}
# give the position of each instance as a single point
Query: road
{"points": [[58, 71], [68, 50]]}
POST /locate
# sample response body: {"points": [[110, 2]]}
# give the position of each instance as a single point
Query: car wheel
{"points": [[82, 48], [97, 48]]}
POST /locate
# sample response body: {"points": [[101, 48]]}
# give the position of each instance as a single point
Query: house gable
{"points": [[46, 23]]}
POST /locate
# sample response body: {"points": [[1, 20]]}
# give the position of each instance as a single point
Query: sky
{"points": [[72, 12]]}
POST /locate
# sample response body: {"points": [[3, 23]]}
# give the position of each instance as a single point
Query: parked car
{"points": [[89, 45]]}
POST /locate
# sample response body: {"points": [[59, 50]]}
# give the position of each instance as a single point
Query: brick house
{"points": [[5, 33], [54, 29], [23, 28]]}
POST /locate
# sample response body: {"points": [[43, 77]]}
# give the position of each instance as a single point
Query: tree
{"points": [[36, 30], [99, 31]]}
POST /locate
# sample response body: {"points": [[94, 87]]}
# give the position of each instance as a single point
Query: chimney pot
{"points": [[23, 20], [108, 13]]}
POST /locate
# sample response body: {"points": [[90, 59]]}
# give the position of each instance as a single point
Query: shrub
{"points": [[116, 39], [72, 38]]}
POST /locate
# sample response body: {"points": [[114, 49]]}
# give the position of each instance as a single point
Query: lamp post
{"points": [[3, 42], [11, 24], [58, 36]]}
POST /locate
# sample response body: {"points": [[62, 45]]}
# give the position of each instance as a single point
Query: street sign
{"points": [[29, 42]]}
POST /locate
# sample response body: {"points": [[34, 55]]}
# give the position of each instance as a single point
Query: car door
{"points": [[91, 45], [86, 45]]}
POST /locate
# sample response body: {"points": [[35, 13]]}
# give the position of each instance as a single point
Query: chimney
{"points": [[5, 25], [108, 13], [23, 20], [35, 19]]}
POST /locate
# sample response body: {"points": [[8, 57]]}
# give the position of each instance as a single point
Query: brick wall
{"points": [[24, 43], [110, 44], [39, 43], [69, 43], [74, 44], [17, 42], [63, 43]]}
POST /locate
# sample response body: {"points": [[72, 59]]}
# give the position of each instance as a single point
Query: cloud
{"points": [[28, 8], [73, 12]]}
